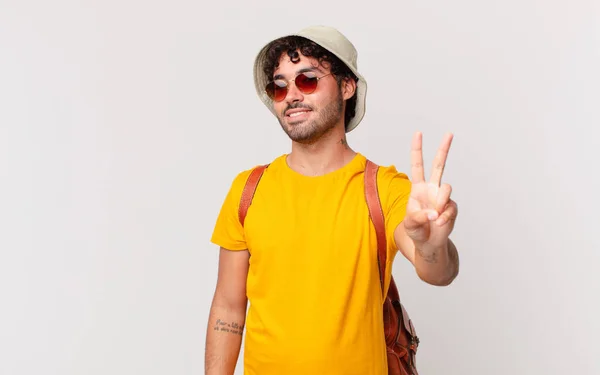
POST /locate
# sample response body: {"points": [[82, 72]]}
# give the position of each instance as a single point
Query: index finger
{"points": [[439, 163], [416, 158]]}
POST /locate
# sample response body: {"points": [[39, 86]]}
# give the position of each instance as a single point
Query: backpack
{"points": [[400, 335]]}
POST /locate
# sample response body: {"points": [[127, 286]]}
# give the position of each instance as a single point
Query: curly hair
{"points": [[292, 44]]}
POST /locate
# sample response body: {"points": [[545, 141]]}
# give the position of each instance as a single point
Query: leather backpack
{"points": [[400, 336]]}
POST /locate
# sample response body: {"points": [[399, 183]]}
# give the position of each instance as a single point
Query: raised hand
{"points": [[430, 213]]}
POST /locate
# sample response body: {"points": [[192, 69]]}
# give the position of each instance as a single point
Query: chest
{"points": [[290, 225]]}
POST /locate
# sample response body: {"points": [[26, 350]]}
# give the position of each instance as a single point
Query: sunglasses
{"points": [[306, 82]]}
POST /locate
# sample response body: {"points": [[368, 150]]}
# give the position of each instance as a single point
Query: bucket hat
{"points": [[335, 42]]}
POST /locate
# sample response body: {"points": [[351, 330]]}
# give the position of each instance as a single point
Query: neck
{"points": [[327, 154]]}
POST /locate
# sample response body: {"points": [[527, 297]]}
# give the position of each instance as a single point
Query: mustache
{"points": [[295, 106]]}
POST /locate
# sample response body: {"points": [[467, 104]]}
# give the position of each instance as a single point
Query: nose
{"points": [[293, 94]]}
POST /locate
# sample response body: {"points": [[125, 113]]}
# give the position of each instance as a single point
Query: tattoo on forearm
{"points": [[429, 258], [233, 328]]}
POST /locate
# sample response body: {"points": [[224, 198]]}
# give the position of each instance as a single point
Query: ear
{"points": [[348, 88]]}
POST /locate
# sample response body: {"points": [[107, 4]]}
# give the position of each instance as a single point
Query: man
{"points": [[305, 256]]}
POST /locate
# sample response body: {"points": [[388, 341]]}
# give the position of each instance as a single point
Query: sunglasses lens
{"points": [[306, 82], [277, 90]]}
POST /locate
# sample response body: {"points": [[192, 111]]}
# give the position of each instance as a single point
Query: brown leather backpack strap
{"points": [[376, 213], [249, 190]]}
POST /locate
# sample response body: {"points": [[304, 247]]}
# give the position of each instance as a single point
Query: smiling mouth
{"points": [[296, 114]]}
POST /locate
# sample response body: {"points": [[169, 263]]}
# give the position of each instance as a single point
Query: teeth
{"points": [[296, 114]]}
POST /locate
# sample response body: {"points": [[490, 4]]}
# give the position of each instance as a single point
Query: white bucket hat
{"points": [[336, 43]]}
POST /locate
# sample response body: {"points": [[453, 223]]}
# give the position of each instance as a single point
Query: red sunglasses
{"points": [[306, 82]]}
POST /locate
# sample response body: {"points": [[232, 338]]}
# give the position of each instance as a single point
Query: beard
{"points": [[309, 131]]}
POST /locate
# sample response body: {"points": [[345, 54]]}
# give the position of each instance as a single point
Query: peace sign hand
{"points": [[430, 213]]}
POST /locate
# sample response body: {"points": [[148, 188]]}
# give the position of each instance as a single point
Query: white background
{"points": [[122, 124]]}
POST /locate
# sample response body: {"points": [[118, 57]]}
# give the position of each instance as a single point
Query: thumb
{"points": [[419, 218]]}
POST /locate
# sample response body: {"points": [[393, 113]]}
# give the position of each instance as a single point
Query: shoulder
{"points": [[392, 183], [388, 174], [241, 178], [394, 191]]}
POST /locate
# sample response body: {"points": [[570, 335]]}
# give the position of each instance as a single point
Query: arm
{"points": [[437, 266], [423, 235], [227, 313]]}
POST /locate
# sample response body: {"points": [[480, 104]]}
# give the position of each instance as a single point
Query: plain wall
{"points": [[122, 124]]}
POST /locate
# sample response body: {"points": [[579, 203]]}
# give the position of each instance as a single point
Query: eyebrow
{"points": [[303, 70]]}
